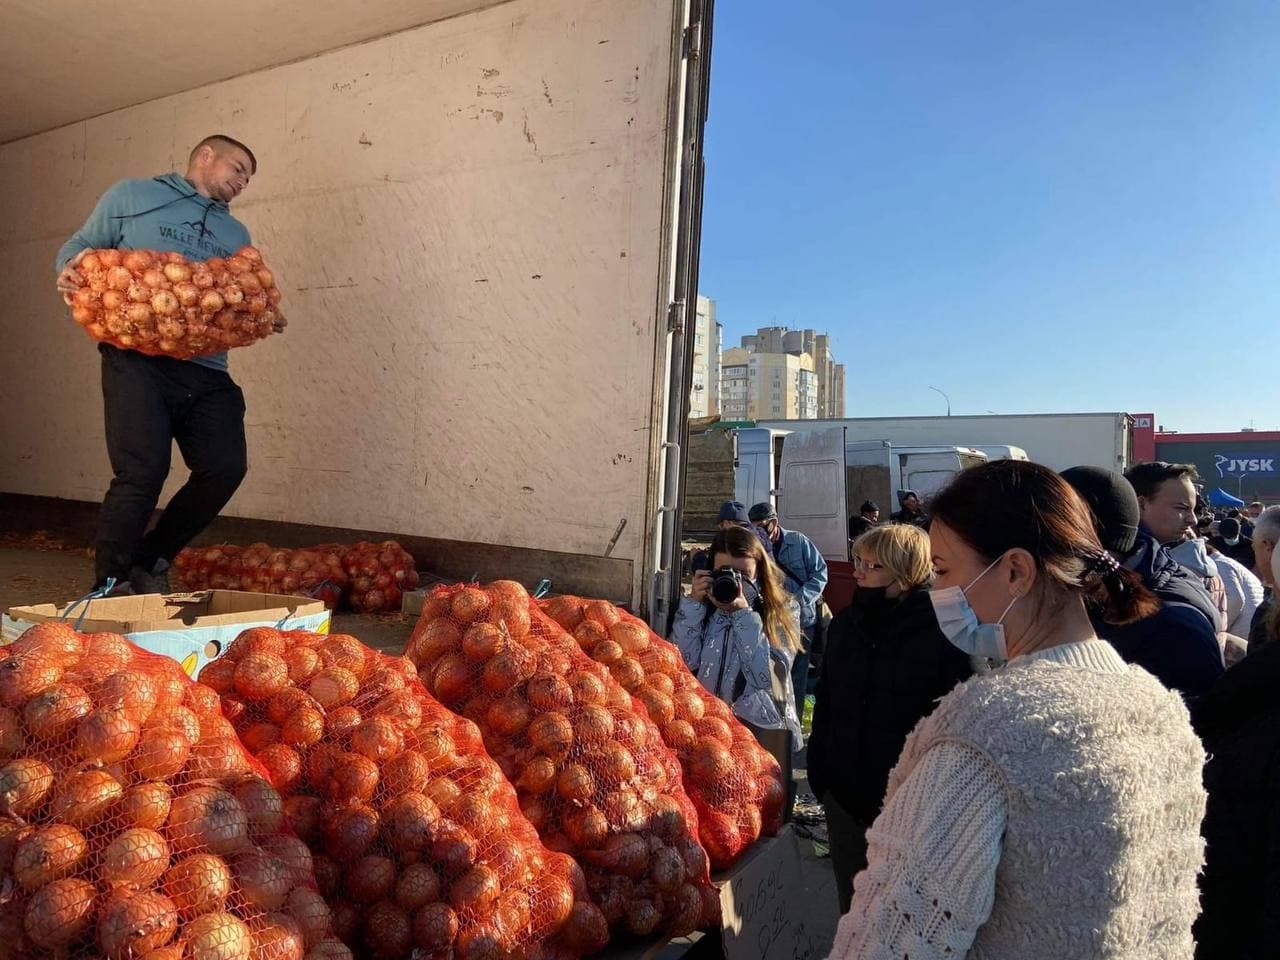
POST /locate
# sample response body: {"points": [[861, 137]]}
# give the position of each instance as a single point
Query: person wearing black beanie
{"points": [[1179, 643]]}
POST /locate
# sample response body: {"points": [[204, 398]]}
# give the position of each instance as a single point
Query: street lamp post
{"points": [[944, 397]]}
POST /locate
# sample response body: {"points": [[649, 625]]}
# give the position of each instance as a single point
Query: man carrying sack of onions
{"points": [[151, 401]]}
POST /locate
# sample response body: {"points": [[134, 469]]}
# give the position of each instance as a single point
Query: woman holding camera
{"points": [[886, 665], [735, 624], [1051, 807]]}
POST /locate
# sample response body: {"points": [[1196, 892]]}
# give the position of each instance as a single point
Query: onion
{"points": [[133, 924], [377, 738], [310, 911], [264, 880], [468, 604], [59, 913], [260, 676], [277, 936], [107, 734], [509, 715], [161, 753], [416, 886], [549, 692], [47, 854], [23, 675], [354, 777], [13, 737], [350, 832], [333, 686], [208, 818], [285, 703], [409, 822], [587, 931], [483, 641], [371, 878], [388, 931], [329, 949], [146, 805], [538, 776], [295, 855], [283, 765], [218, 936], [262, 805], [24, 784], [136, 858], [435, 926], [198, 884], [50, 713], [407, 771]]}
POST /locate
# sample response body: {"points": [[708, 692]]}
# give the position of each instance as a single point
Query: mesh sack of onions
{"points": [[314, 572], [365, 577], [380, 573], [133, 823], [166, 305], [418, 842], [591, 770], [735, 784]]}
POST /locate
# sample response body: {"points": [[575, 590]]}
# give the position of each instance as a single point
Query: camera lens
{"points": [[724, 586]]}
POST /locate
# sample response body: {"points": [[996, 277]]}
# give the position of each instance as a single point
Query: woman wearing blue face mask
{"points": [[1050, 808], [886, 666], [737, 630]]}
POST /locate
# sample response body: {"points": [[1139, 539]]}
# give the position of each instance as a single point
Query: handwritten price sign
{"points": [[764, 906]]}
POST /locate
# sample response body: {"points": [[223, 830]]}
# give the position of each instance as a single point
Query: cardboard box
{"points": [[192, 628], [762, 898]]}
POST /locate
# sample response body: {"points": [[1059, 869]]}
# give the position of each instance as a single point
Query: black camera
{"points": [[726, 584]]}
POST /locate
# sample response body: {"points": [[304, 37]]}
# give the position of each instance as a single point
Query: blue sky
{"points": [[1033, 206]]}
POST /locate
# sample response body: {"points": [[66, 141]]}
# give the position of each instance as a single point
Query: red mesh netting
{"points": [[166, 305], [367, 577], [733, 781], [133, 823], [418, 841], [591, 770]]}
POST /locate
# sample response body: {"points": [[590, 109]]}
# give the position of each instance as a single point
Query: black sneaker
{"points": [[155, 580]]}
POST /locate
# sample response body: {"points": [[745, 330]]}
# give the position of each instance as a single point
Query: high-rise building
{"points": [[704, 388], [767, 386], [825, 397]]}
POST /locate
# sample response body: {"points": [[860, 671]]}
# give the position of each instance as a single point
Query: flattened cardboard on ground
{"points": [[192, 628], [764, 906]]}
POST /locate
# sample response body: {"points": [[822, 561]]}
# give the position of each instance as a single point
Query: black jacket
{"points": [[887, 665], [920, 519], [1179, 644], [1242, 552], [1239, 722]]}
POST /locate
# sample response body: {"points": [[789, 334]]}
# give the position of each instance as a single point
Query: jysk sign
{"points": [[1244, 464]]}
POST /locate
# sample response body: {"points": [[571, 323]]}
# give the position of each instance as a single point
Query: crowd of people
{"points": [[1048, 725]]}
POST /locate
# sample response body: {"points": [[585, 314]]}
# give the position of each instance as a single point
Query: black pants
{"points": [[149, 402], [848, 842]]}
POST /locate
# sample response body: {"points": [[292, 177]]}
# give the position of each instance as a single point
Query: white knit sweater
{"points": [[1050, 809]]}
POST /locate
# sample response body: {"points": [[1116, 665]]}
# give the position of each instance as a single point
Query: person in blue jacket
{"points": [[805, 571], [1179, 643], [731, 642], [149, 402]]}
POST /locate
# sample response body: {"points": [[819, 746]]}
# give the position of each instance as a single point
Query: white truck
{"points": [[485, 219], [1058, 440]]}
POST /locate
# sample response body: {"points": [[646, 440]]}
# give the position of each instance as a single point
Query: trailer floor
{"points": [[45, 571]]}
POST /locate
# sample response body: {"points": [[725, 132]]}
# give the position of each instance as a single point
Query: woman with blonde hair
{"points": [[735, 626], [887, 663]]}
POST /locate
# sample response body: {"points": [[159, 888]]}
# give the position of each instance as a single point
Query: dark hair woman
{"points": [[1050, 807]]}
